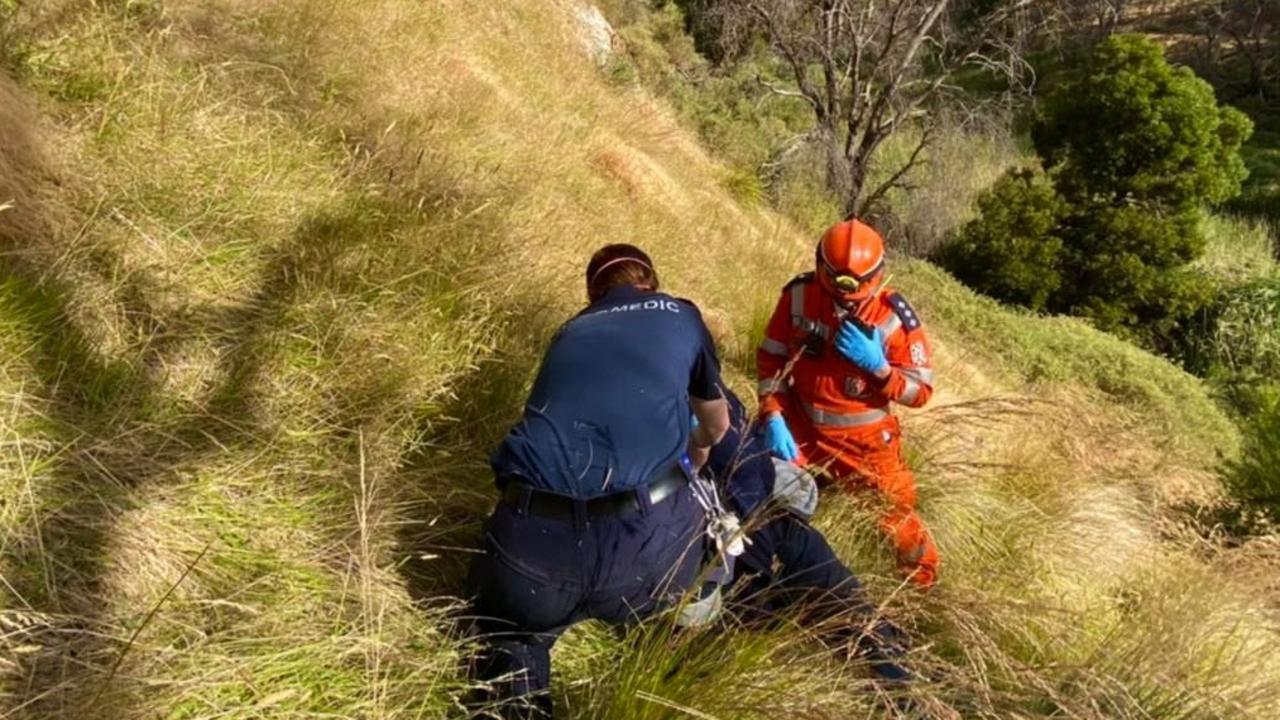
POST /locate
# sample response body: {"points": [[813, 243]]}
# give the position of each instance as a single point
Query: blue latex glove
{"points": [[778, 437], [867, 352]]}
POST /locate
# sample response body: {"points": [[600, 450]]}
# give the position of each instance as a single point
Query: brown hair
{"points": [[619, 264]]}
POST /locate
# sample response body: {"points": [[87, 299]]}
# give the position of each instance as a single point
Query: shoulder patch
{"points": [[802, 278], [904, 311]]}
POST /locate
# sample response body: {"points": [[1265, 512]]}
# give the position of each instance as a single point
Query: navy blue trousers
{"points": [[789, 563], [537, 576]]}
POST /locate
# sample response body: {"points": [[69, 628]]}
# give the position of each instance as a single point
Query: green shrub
{"points": [[1261, 195], [743, 185], [1255, 478], [1130, 269], [1238, 336], [1134, 149], [1010, 252], [1126, 126], [662, 53]]}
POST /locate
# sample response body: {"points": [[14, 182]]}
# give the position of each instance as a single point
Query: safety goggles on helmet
{"points": [[845, 281]]}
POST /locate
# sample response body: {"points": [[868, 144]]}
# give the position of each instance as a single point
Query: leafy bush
{"points": [[1134, 149], [1012, 253], [1261, 195], [1236, 343], [1255, 479], [1129, 270], [1124, 125]]}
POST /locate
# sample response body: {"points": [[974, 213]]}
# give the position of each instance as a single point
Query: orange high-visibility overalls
{"points": [[839, 414]]}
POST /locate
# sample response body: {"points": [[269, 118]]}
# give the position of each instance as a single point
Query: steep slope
{"points": [[274, 280]]}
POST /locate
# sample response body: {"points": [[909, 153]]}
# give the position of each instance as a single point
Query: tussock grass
{"points": [[275, 279], [1239, 249]]}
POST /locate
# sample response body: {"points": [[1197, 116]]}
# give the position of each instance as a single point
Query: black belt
{"points": [[542, 503]]}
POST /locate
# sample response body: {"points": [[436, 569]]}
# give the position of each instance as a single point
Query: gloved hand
{"points": [[865, 351], [779, 439]]}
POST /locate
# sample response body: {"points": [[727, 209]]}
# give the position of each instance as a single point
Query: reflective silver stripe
{"points": [[889, 326], [831, 419], [911, 392], [912, 556], [770, 386], [922, 375], [798, 319], [773, 347], [797, 303]]}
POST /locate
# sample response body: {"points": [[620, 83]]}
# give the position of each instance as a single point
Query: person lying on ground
{"points": [[785, 562]]}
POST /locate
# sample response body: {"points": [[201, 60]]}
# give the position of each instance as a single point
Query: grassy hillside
{"points": [[274, 279]]}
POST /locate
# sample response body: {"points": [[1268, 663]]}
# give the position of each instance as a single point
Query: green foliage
{"points": [[1255, 479], [1236, 343], [1134, 148], [656, 43], [1261, 195], [1011, 252], [1124, 125], [743, 185], [1130, 269], [747, 127], [1047, 351], [1238, 249]]}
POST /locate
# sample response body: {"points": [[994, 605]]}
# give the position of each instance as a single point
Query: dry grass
{"points": [[1239, 250], [276, 283]]}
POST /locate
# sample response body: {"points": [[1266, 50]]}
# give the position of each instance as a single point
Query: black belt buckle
{"points": [[667, 485], [542, 503]]}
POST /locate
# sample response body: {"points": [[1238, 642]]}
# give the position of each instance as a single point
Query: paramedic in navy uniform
{"points": [[596, 519]]}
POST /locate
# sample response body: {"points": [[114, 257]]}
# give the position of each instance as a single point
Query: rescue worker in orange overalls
{"points": [[839, 350]]}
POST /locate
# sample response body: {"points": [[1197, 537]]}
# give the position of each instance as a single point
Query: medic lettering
{"points": [[666, 305]]}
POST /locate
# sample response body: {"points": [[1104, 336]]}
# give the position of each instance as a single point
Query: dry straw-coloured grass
{"points": [[283, 281]]}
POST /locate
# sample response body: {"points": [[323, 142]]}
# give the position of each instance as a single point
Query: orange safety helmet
{"points": [[850, 261]]}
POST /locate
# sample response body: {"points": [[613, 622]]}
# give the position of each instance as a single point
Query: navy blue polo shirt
{"points": [[609, 409], [741, 463]]}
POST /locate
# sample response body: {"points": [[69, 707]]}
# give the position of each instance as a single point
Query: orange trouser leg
{"points": [[871, 458]]}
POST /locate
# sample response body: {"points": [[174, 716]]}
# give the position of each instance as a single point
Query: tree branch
{"points": [[895, 180]]}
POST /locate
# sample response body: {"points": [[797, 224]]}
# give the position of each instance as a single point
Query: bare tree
{"points": [[868, 69], [1246, 33]]}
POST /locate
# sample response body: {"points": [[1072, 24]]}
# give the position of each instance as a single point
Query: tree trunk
{"points": [[838, 172], [857, 179]]}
